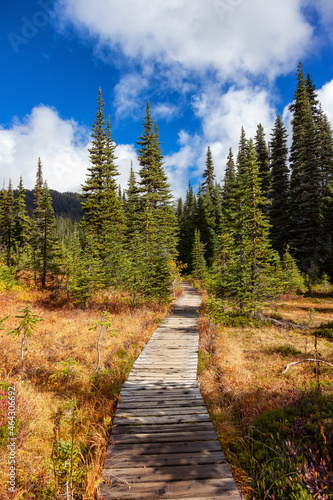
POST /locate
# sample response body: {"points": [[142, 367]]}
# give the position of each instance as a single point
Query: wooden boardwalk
{"points": [[163, 443]]}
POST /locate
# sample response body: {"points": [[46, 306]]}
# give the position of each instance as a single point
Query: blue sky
{"points": [[207, 66]]}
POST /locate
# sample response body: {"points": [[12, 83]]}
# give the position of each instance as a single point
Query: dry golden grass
{"points": [[242, 377], [66, 333]]}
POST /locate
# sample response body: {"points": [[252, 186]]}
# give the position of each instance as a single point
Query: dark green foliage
{"points": [[209, 175], [325, 330], [43, 241], [279, 192], [205, 221], [22, 222], [186, 224], [286, 351], [305, 230], [290, 457], [198, 259], [157, 224], [66, 205], [263, 163], [7, 223]]}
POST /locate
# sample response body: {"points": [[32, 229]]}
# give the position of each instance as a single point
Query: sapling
{"points": [[105, 322], [26, 327]]}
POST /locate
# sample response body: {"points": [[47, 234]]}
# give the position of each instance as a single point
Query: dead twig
{"points": [[307, 361]]}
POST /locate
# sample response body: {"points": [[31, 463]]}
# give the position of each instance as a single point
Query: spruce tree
{"points": [[206, 223], [7, 223], [325, 149], [157, 217], [279, 192], [305, 232], [198, 259], [186, 224], [43, 240], [263, 163], [22, 222], [94, 188], [209, 175]]}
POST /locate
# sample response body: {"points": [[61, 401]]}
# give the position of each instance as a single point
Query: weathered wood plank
{"points": [[167, 459], [204, 488], [152, 474], [164, 448], [198, 427], [165, 419], [159, 412], [163, 437]]}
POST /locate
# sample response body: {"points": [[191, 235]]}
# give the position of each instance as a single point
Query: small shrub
{"points": [[325, 330], [7, 279], [284, 350]]}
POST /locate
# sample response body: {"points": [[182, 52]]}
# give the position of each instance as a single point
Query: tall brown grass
{"points": [[241, 373], [67, 335]]}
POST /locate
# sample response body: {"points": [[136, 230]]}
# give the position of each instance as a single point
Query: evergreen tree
{"points": [[263, 163], [93, 189], [157, 218], [206, 223], [7, 223], [198, 259], [298, 109], [279, 193], [186, 224], [306, 230], [209, 175], [43, 241], [22, 222], [325, 149], [242, 155]]}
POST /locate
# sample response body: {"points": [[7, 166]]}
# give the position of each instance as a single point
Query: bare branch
{"points": [[307, 361]]}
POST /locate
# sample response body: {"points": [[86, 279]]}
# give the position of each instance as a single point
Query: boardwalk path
{"points": [[163, 443]]}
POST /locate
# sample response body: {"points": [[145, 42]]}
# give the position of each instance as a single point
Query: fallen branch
{"points": [[305, 361], [284, 323]]}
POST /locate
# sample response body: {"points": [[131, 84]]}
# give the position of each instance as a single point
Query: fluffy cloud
{"points": [[223, 115], [62, 146], [325, 95], [128, 95], [231, 36]]}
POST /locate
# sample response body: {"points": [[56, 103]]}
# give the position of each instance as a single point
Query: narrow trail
{"points": [[163, 443]]}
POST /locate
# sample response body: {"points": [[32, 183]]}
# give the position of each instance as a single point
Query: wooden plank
{"points": [[128, 460], [159, 412], [164, 448], [163, 437], [160, 403], [152, 474], [165, 419], [205, 488], [199, 427], [158, 389]]}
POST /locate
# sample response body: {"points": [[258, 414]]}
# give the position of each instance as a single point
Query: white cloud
{"points": [[126, 154], [223, 115], [231, 36], [128, 95], [325, 95], [180, 164], [61, 145], [164, 111]]}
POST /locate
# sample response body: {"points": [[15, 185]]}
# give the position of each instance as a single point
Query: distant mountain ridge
{"points": [[67, 205]]}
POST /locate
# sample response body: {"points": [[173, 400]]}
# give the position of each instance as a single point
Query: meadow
{"points": [[275, 426], [64, 407]]}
